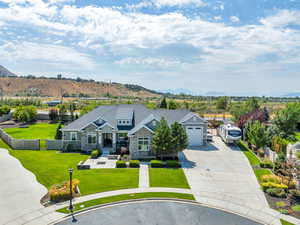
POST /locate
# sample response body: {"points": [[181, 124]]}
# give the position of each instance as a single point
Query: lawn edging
{"points": [[252, 158], [127, 198]]}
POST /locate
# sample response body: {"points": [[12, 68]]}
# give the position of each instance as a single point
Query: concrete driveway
{"points": [[221, 172], [20, 193]]}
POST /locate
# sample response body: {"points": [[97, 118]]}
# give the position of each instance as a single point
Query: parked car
{"points": [[209, 136]]}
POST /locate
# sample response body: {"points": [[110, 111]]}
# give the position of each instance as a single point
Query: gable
{"points": [[193, 119]]}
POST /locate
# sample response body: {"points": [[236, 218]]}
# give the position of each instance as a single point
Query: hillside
{"points": [[12, 85]]}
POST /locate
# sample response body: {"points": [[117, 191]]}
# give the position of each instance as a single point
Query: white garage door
{"points": [[195, 135]]}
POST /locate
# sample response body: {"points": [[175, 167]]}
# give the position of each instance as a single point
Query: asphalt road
{"points": [[158, 213]]}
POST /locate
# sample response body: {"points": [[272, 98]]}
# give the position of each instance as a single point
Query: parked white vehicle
{"points": [[229, 133]]}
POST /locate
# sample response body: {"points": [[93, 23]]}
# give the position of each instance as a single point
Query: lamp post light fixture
{"points": [[71, 190]]}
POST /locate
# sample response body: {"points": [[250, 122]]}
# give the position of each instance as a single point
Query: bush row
{"points": [[132, 164], [168, 163]]}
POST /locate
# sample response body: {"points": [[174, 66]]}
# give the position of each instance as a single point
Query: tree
{"points": [[240, 109], [163, 103], [257, 134], [72, 108], [53, 114], [173, 105], [5, 109], [25, 113], [58, 135], [162, 139], [286, 120], [179, 136], [62, 112], [222, 103]]}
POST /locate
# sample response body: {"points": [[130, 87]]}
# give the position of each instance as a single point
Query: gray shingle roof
{"points": [[110, 114]]}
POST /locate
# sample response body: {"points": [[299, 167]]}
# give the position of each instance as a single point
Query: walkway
{"points": [[20, 193], [144, 176]]}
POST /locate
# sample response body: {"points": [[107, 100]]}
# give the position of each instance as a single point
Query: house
{"points": [[129, 126]]}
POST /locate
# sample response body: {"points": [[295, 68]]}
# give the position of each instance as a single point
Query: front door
{"points": [[107, 139]]}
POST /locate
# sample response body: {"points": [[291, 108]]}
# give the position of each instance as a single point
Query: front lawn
{"points": [[105, 200], [51, 167], [167, 177], [34, 131], [284, 222]]}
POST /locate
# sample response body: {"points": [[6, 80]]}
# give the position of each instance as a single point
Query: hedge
{"points": [[157, 164], [134, 163], [121, 164], [173, 164]]}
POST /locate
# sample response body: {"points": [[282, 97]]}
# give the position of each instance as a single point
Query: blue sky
{"points": [[233, 47]]}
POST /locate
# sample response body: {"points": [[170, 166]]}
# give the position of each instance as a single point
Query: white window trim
{"points": [[92, 135], [148, 146], [75, 135]]}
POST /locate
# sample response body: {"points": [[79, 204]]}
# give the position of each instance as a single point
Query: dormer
{"points": [[124, 117]]}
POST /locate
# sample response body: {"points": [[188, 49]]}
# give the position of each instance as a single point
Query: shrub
{"points": [[266, 163], [296, 208], [284, 211], [156, 163], [266, 185], [280, 204], [291, 184], [25, 113], [125, 157], [294, 196], [61, 192], [276, 192], [94, 154], [271, 178], [134, 163], [4, 110], [121, 164], [173, 164]]}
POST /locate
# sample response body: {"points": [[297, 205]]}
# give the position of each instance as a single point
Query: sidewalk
{"points": [[144, 175]]}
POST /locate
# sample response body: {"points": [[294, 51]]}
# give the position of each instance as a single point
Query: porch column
{"points": [[100, 140], [114, 140]]}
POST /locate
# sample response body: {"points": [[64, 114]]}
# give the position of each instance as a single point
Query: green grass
{"points": [[123, 197], [51, 167], [297, 136], [253, 159], [165, 177], [296, 208], [260, 172], [34, 131], [284, 222]]}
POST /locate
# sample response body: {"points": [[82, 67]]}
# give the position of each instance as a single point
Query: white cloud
{"points": [[45, 53], [234, 19], [282, 18], [180, 3], [149, 62], [217, 17]]}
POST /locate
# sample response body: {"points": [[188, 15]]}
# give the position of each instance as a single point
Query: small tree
{"points": [[53, 114], [163, 103], [162, 139], [179, 136], [257, 135], [25, 113], [62, 112], [58, 135], [173, 105], [72, 108], [222, 103]]}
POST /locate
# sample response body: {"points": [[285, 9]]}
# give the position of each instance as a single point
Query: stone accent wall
{"points": [[20, 144], [133, 144]]}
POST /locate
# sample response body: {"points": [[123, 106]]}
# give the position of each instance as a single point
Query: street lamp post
{"points": [[71, 190]]}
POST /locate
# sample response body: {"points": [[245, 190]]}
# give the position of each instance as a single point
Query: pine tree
{"points": [[163, 103], [162, 139], [58, 135], [179, 137]]}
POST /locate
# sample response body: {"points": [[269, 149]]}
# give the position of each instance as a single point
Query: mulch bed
{"points": [[272, 203]]}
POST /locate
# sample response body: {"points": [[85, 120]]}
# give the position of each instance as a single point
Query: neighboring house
{"points": [[131, 127]]}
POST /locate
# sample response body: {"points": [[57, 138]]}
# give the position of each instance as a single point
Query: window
{"points": [[92, 139], [143, 144], [73, 136], [154, 123]]}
